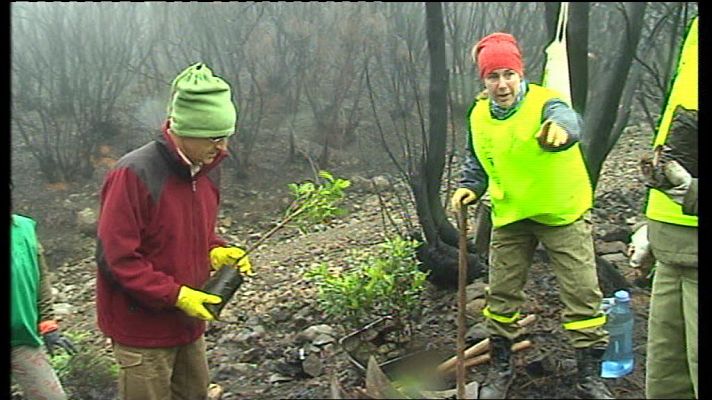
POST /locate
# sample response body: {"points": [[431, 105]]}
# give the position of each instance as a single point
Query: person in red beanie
{"points": [[524, 152]]}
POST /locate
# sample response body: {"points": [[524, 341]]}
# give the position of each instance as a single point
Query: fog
{"points": [[87, 75]]}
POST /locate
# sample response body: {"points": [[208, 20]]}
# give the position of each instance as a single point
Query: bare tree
{"points": [[604, 97], [291, 41], [69, 69], [334, 73], [439, 252], [223, 35], [657, 55]]}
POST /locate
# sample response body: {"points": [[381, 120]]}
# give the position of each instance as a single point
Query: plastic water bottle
{"points": [[618, 358]]}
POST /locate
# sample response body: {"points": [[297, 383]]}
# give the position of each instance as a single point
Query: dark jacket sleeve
{"points": [[689, 204], [45, 302], [473, 175], [564, 116], [124, 213]]}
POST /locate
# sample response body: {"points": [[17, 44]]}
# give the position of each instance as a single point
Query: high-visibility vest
{"points": [[25, 282], [683, 93], [525, 181]]}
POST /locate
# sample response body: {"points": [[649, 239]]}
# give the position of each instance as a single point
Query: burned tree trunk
{"points": [[605, 97], [436, 255], [439, 251]]}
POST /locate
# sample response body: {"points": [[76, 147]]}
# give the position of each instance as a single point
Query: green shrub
{"points": [[385, 283], [89, 374], [317, 203]]}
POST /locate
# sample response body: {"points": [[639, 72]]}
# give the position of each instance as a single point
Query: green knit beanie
{"points": [[201, 104]]}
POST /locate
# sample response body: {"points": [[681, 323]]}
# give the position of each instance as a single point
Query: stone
{"points": [[542, 366], [309, 334], [244, 368], [476, 333], [380, 183], [610, 247], [322, 339], [258, 331], [63, 309], [69, 288], [568, 364], [87, 222], [360, 183], [252, 354], [474, 307], [312, 365], [611, 232], [617, 259], [475, 290], [277, 378], [280, 315]]}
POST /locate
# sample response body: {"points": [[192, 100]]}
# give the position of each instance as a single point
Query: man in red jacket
{"points": [[156, 244]]}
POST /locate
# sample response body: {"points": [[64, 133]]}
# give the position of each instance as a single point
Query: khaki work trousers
{"points": [[570, 249], [671, 363], [172, 373]]}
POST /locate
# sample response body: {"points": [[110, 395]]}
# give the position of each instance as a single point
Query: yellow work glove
{"points": [[191, 302], [462, 196], [551, 134], [221, 256]]}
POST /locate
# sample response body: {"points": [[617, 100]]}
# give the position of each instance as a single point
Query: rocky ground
{"points": [[276, 343]]}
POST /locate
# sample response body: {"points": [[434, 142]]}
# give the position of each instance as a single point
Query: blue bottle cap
{"points": [[622, 295]]}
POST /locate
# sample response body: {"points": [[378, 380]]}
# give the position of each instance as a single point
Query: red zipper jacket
{"points": [[156, 227]]}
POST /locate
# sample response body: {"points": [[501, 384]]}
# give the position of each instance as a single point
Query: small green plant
{"points": [[313, 204], [385, 283], [88, 374], [316, 203]]}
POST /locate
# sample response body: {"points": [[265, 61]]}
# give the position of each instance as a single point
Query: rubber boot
{"points": [[501, 371], [589, 384]]}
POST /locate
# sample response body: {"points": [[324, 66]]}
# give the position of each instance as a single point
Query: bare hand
{"points": [[551, 134]]}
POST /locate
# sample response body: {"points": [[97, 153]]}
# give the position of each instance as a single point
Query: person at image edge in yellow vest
{"points": [[157, 243], [32, 320], [671, 355], [523, 149]]}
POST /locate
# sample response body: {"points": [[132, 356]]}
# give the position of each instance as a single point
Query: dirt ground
{"points": [[252, 354]]}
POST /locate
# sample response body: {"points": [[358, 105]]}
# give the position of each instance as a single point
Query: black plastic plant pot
{"points": [[223, 283]]}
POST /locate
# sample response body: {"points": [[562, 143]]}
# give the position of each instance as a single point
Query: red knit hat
{"points": [[497, 50]]}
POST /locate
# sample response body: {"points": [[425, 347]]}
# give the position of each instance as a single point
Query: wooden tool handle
{"points": [[461, 303], [481, 346], [481, 359]]}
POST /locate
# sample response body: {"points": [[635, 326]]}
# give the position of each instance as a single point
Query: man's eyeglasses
{"points": [[218, 140]]}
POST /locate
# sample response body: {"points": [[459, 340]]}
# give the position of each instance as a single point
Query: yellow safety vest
{"points": [[684, 93], [525, 181], [25, 282]]}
